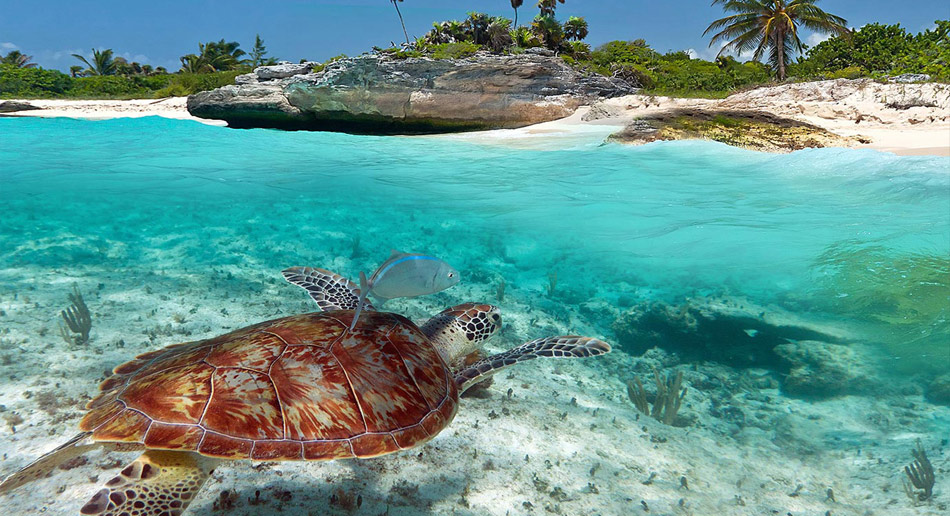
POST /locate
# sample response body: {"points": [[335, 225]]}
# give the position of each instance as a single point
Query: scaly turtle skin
{"points": [[303, 387]]}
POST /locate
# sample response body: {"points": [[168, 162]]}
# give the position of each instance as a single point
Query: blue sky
{"points": [[158, 32]]}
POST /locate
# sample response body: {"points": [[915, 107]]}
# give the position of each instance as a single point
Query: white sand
{"points": [[861, 108], [171, 107]]}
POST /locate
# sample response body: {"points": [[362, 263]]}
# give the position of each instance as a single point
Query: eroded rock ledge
{"points": [[754, 130], [380, 95]]}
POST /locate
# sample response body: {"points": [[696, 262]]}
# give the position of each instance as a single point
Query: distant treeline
{"points": [[874, 51]]}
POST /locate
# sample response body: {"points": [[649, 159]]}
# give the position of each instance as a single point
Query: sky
{"points": [[159, 32]]}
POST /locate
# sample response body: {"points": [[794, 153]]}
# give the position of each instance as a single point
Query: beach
{"points": [[904, 119]]}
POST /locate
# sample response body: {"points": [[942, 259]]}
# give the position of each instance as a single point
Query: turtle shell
{"points": [[297, 388]]}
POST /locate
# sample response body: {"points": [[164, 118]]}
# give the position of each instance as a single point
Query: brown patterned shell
{"points": [[297, 388]]}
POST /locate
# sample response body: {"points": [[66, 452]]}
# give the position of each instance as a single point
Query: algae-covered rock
{"points": [[821, 369], [754, 130], [939, 390]]}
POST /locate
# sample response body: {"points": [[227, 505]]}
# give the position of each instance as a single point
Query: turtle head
{"points": [[461, 330]]}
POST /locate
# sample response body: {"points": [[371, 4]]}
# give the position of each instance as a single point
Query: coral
{"points": [[921, 475], [78, 320], [669, 397]]}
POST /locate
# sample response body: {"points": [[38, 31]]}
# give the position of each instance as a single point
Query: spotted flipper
{"points": [[44, 465], [330, 290], [158, 482], [567, 346]]}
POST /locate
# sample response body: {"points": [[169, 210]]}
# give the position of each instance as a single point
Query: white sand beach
{"points": [[905, 119]]}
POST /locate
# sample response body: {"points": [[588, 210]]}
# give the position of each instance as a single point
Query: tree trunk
{"points": [[401, 20], [780, 41], [516, 17]]}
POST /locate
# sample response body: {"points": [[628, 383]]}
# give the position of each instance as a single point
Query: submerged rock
{"points": [[820, 370], [731, 331], [939, 390], [753, 130], [381, 95]]}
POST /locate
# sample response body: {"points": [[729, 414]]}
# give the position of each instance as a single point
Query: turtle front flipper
{"points": [[44, 465], [330, 290], [158, 482], [565, 346]]}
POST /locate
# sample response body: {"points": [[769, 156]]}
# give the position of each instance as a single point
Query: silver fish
{"points": [[406, 275]]}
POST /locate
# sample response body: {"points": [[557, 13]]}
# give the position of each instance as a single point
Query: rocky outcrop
{"points": [[12, 106], [381, 95]]}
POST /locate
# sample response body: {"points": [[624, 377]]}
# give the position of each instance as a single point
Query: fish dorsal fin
{"points": [[393, 253]]}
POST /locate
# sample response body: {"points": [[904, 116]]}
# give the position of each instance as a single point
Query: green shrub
{"points": [[877, 50], [32, 82], [452, 50], [181, 84]]}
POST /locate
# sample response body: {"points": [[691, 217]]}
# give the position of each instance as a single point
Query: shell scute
{"points": [[434, 383], [256, 352], [277, 450], [99, 415], [316, 329], [374, 445], [173, 437], [244, 405], [126, 426], [315, 395], [388, 398], [172, 396], [327, 450], [217, 445]]}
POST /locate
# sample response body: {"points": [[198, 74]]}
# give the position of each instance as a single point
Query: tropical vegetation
{"points": [[105, 75], [768, 30]]}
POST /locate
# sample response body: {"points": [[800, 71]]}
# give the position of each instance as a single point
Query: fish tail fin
{"points": [[364, 291]]}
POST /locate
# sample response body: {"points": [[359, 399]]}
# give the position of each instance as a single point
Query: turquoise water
{"points": [[660, 221], [132, 210]]}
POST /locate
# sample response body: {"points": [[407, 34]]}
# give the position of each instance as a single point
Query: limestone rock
{"points": [[282, 71], [11, 106], [382, 95]]}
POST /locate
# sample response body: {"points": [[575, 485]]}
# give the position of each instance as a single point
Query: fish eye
{"points": [[451, 274]]}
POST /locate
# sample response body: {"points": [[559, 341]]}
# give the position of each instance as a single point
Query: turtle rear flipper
{"points": [[330, 290], [158, 482], [44, 465], [565, 346]]}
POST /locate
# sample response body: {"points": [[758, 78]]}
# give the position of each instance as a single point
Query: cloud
{"points": [[7, 46], [815, 38]]}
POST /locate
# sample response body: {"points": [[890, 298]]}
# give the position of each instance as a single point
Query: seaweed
{"points": [[78, 320], [908, 294], [921, 475], [552, 283], [669, 396]]}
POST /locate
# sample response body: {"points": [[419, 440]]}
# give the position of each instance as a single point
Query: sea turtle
{"points": [[302, 387]]}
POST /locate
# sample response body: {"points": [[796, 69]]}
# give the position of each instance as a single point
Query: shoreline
{"points": [[850, 109]]}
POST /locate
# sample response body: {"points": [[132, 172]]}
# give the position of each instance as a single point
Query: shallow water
{"points": [[855, 241]]}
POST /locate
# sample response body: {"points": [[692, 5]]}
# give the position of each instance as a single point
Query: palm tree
{"points": [[18, 59], [575, 28], [499, 34], [515, 4], [396, 5], [548, 7], [549, 31], [75, 71], [771, 25], [102, 62]]}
